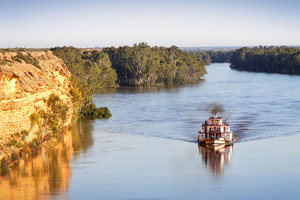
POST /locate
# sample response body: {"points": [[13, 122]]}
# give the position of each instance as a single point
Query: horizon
{"points": [[180, 47], [189, 23]]}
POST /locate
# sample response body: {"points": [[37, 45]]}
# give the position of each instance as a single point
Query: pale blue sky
{"points": [[89, 23]]}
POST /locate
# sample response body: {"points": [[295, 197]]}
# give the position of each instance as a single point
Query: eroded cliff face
{"points": [[25, 86]]}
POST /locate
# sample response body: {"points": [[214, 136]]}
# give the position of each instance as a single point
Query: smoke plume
{"points": [[215, 108]]}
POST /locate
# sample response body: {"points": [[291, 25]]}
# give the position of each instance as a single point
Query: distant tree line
{"points": [[214, 56], [23, 50], [145, 65], [285, 60]]}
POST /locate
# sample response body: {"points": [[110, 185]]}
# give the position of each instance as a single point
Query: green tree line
{"points": [[142, 65], [285, 60], [214, 56]]}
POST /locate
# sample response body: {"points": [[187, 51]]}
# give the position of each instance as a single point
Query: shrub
{"points": [[34, 147], [91, 111], [17, 134], [2, 62], [4, 166], [103, 112], [24, 132], [34, 118], [12, 142], [15, 156], [34, 143], [55, 116]]}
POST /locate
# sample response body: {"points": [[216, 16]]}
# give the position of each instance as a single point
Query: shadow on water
{"points": [[216, 158], [49, 172]]}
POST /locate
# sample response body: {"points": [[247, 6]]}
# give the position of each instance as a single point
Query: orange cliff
{"points": [[26, 85]]}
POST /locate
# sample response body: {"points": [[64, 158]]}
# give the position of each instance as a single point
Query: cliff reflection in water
{"points": [[49, 172], [216, 159]]}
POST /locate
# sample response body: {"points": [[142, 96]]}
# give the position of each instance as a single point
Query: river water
{"points": [[257, 105], [148, 149]]}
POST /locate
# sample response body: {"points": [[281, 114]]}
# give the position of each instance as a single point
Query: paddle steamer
{"points": [[215, 132]]}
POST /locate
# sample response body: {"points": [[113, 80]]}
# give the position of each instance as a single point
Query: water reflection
{"points": [[145, 90], [216, 158], [49, 172], [46, 174], [82, 136]]}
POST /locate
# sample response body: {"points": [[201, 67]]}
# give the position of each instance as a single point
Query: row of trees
{"points": [[214, 56], [271, 59], [145, 65], [90, 71]]}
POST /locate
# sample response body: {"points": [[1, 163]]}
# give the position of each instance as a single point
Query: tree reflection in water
{"points": [[49, 172], [82, 136], [216, 158]]}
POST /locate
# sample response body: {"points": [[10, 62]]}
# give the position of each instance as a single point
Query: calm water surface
{"points": [[147, 149], [257, 105]]}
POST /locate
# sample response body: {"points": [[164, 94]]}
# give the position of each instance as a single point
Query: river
{"points": [[148, 149], [257, 105]]}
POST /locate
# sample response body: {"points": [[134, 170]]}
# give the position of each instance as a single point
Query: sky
{"points": [[184, 23]]}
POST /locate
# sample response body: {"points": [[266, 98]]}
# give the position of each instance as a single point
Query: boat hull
{"points": [[215, 143]]}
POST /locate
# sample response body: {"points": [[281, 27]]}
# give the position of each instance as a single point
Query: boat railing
{"points": [[216, 138], [215, 131]]}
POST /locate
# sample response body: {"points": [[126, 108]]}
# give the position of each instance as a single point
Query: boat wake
{"points": [[238, 138]]}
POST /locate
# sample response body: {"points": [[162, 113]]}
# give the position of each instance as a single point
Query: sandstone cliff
{"points": [[26, 82]]}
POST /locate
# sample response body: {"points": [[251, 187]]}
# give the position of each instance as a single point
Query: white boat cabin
{"points": [[215, 128]]}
